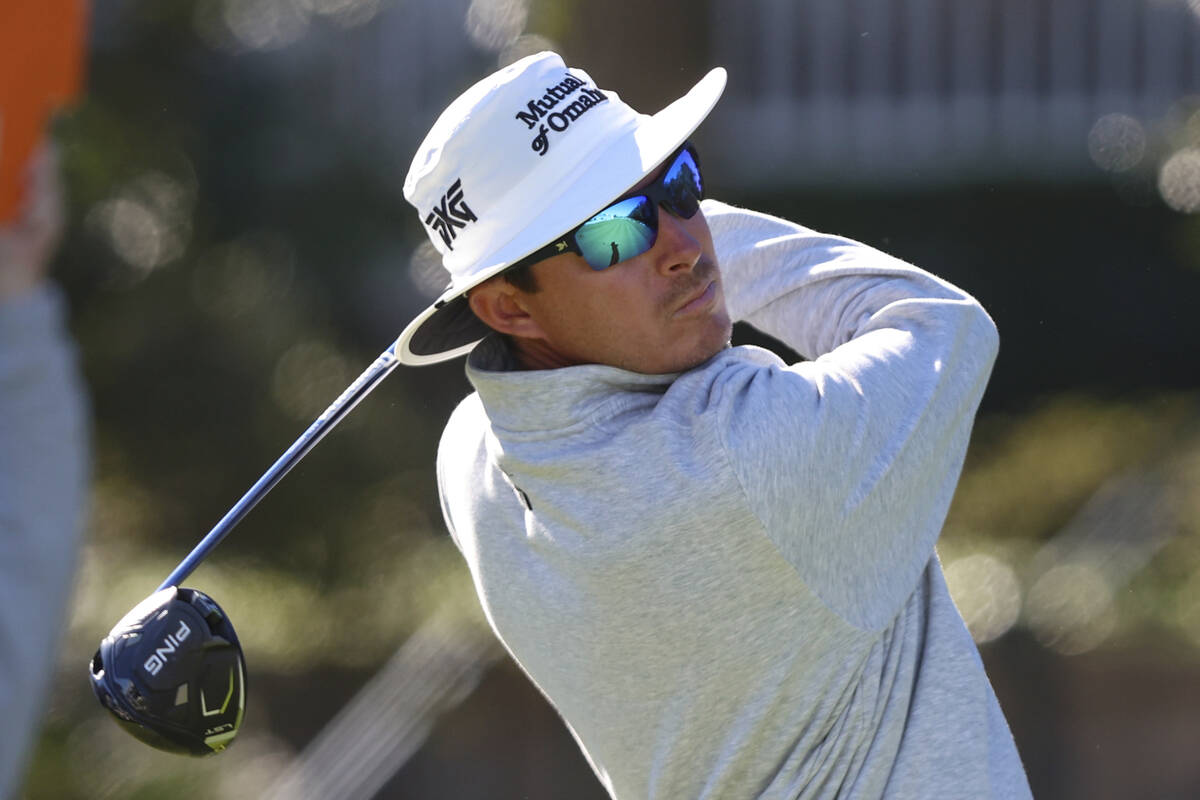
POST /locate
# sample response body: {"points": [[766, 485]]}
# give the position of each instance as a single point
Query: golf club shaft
{"points": [[336, 412]]}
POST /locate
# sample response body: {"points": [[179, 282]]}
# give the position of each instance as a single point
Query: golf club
{"points": [[170, 670], [337, 411], [172, 673]]}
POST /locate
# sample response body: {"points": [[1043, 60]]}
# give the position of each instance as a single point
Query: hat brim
{"points": [[448, 328]]}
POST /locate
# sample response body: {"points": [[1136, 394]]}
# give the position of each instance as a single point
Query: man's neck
{"points": [[536, 354]]}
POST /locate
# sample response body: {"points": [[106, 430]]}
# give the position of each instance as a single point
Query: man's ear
{"points": [[501, 307]]}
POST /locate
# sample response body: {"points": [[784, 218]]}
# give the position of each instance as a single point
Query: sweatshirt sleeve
{"points": [[43, 485], [849, 459]]}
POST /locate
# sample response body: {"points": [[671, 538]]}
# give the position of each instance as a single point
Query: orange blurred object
{"points": [[41, 70]]}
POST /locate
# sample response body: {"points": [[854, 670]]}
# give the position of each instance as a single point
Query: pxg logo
{"points": [[451, 213]]}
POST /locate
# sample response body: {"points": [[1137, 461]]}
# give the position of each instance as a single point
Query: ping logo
{"points": [[451, 213], [170, 644]]}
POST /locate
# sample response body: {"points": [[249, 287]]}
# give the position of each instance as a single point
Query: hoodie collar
{"points": [[531, 401]]}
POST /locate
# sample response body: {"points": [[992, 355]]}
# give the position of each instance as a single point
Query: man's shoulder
{"points": [[722, 217], [467, 421], [467, 408], [712, 383]]}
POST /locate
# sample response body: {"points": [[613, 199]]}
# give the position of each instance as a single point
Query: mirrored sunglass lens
{"points": [[620, 232], [684, 185]]}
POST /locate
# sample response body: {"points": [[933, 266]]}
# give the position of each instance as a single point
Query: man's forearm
{"points": [[814, 291]]}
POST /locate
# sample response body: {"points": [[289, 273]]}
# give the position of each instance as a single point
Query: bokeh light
{"points": [[1070, 608], [265, 24], [1179, 180], [147, 222], [496, 24], [346, 13], [1117, 142], [987, 593]]}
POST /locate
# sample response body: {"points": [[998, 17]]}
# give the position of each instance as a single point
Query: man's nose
{"points": [[677, 248]]}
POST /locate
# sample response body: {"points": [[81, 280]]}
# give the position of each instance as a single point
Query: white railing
{"points": [[917, 90]]}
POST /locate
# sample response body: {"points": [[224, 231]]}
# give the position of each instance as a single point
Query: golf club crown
{"points": [[172, 673]]}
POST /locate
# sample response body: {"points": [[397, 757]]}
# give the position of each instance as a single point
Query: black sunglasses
{"points": [[629, 227]]}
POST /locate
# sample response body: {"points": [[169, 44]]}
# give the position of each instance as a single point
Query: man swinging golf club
{"points": [[719, 567]]}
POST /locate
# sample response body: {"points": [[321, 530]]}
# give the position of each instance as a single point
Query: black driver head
{"points": [[172, 673]]}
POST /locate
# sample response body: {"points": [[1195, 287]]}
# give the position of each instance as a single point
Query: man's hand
{"points": [[28, 243]]}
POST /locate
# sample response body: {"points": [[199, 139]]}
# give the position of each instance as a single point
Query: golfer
{"points": [[719, 567]]}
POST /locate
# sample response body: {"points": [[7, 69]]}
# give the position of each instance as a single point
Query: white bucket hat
{"points": [[518, 159]]}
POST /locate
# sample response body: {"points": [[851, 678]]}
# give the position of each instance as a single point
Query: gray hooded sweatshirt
{"points": [[725, 579]]}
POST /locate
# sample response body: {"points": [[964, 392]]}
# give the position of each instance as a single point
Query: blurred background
{"points": [[238, 250]]}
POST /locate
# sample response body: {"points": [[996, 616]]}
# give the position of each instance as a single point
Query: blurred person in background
{"points": [[43, 463], [43, 413], [717, 566]]}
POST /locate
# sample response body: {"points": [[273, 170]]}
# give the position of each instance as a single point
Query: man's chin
{"points": [[713, 342]]}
